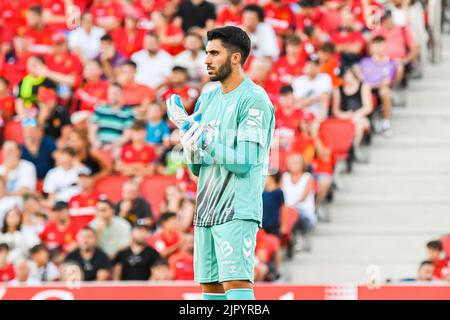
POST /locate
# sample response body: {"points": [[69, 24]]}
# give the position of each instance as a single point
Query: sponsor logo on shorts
{"points": [[226, 249]]}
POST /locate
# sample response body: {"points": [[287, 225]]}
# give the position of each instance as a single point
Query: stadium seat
{"points": [[13, 131], [446, 245], [111, 186], [153, 188], [288, 219], [337, 134]]}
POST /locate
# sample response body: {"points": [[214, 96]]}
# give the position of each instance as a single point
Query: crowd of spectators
{"points": [[82, 91]]}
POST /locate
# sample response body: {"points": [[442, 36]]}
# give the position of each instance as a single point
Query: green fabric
{"points": [[214, 296], [26, 89], [240, 294]]}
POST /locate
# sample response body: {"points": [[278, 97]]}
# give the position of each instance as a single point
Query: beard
{"points": [[223, 72]]}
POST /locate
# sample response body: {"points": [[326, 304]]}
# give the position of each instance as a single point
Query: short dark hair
{"points": [[328, 47], [107, 202], [69, 150], [139, 125], [130, 63], [166, 216], [293, 39], [378, 39], [308, 30], [116, 84], [38, 248], [38, 57], [180, 68], [426, 262], [256, 9], [5, 81], [276, 176], [4, 247], [286, 89], [36, 9], [88, 228], [435, 244], [233, 39], [106, 37], [161, 262]]}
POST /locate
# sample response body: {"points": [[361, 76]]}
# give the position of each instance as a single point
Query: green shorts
{"points": [[225, 252]]}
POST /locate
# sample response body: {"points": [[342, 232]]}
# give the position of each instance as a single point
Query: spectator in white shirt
{"points": [[193, 59], [154, 65], [262, 35], [313, 90], [85, 40], [41, 269], [20, 174], [61, 182], [22, 269], [7, 202]]}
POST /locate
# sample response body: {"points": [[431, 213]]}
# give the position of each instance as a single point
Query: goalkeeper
{"points": [[226, 144]]}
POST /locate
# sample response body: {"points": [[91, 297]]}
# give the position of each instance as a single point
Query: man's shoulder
{"points": [[255, 93]]}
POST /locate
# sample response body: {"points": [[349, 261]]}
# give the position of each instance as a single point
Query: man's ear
{"points": [[236, 58]]}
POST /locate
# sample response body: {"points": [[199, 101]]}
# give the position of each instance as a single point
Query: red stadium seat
{"points": [[337, 134], [111, 186], [153, 188], [288, 219], [13, 131], [446, 245]]}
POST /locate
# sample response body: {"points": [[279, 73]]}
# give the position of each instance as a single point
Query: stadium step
{"points": [[388, 209]]}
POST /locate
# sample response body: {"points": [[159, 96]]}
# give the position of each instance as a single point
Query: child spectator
{"points": [[137, 157], [134, 208], [273, 203], [94, 263], [436, 255], [182, 263], [166, 240], [41, 269], [161, 271], [158, 131], [7, 272], [426, 271], [136, 261]]}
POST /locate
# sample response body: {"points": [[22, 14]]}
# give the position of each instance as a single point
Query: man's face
{"points": [[151, 44], [193, 43], [138, 135], [179, 78], [63, 159], [104, 211], [433, 254], [87, 21], [63, 215], [286, 100], [139, 235], [378, 48], [32, 66], [33, 19], [11, 151], [114, 95], [250, 20], [426, 272], [127, 74], [86, 240], [32, 133], [218, 61], [41, 257], [311, 69], [293, 49]]}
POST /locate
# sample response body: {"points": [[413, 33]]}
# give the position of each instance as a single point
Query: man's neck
{"points": [[233, 81]]}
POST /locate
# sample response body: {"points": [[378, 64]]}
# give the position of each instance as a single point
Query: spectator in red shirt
{"points": [[134, 95], [37, 31], [182, 263], [136, 158], [179, 85], [108, 14], [129, 39], [54, 13], [330, 19], [167, 239], [309, 14], [13, 62], [435, 255], [7, 272], [7, 103], [291, 64], [349, 42], [280, 16], [82, 208], [230, 14], [92, 90], [12, 16], [59, 235], [260, 72], [170, 34]]}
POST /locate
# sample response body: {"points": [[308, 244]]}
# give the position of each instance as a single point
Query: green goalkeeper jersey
{"points": [[244, 114]]}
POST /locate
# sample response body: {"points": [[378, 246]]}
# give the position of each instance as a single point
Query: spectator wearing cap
{"points": [[153, 63], [91, 158], [129, 38], [53, 117], [440, 261], [136, 261], [7, 103], [353, 100], [230, 14], [350, 43], [401, 46], [41, 268], [196, 13], [63, 67], [93, 89], [178, 84], [85, 40], [167, 239], [28, 87], [82, 208], [92, 260], [135, 95], [7, 272], [134, 208], [109, 121], [20, 175], [38, 149], [380, 72], [262, 35], [170, 34], [182, 263], [59, 235], [110, 59], [108, 14], [291, 64], [313, 90], [61, 182], [114, 232]]}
